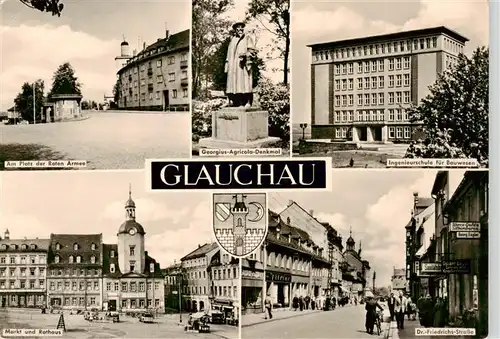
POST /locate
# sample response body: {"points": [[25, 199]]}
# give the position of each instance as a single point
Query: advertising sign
{"points": [[431, 268], [465, 226], [468, 235], [457, 266]]}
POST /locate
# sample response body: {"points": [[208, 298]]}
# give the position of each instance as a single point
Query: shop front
{"points": [[300, 286], [278, 287], [251, 291]]}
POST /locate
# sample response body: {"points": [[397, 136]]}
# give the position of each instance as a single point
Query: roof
{"points": [[439, 181], [391, 36], [399, 272], [67, 241], [128, 225], [41, 245], [108, 260], [468, 178], [173, 43], [200, 251], [424, 202]]}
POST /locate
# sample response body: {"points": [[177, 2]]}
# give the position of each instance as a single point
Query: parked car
{"points": [[146, 318]]}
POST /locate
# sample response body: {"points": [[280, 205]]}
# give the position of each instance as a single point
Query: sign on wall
{"points": [[431, 268], [457, 266], [465, 226], [278, 277]]}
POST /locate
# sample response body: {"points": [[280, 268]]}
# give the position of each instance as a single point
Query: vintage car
{"points": [[113, 316], [146, 318]]}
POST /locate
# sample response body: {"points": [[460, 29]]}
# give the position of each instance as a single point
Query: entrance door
{"points": [[377, 133], [281, 294], [166, 100], [363, 135], [4, 301], [112, 305]]}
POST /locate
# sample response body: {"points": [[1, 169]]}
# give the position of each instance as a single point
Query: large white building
{"points": [[360, 88]]}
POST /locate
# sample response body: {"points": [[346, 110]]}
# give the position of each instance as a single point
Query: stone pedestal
{"points": [[237, 127]]}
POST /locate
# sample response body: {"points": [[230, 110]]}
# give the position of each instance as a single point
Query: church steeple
{"points": [[350, 242], [130, 205]]}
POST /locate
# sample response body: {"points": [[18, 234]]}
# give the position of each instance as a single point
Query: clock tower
{"points": [[131, 254]]}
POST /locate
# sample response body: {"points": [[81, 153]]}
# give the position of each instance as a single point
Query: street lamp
{"points": [[34, 105], [179, 278], [303, 126]]}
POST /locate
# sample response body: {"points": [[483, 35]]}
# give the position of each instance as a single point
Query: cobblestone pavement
{"points": [[110, 140], [165, 326]]}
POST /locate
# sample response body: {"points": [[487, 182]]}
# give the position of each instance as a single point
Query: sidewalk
{"points": [[407, 332], [278, 314]]}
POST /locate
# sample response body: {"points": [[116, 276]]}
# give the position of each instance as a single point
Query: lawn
{"points": [[20, 152], [360, 159]]}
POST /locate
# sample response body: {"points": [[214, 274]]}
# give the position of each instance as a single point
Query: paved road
{"points": [[110, 140], [165, 326], [344, 322]]}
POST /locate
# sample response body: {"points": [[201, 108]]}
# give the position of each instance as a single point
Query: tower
{"points": [[124, 47], [240, 213], [6, 234], [350, 242], [131, 252]]}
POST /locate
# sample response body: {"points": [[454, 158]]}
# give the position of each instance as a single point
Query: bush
{"points": [[202, 117], [440, 147], [275, 98]]}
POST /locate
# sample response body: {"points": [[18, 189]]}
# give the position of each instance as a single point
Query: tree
{"points": [[455, 113], [117, 89], [64, 81], [209, 31], [24, 101], [277, 14], [49, 6]]}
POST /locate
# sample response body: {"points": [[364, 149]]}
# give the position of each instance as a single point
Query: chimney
{"points": [[199, 246], [167, 35], [415, 197], [311, 212], [144, 45], [134, 53]]}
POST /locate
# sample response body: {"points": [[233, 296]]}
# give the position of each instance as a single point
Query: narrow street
{"points": [[343, 322]]}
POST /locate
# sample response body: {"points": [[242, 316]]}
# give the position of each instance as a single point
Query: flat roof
{"points": [[391, 36]]}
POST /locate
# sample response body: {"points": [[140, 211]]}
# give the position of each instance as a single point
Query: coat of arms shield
{"points": [[239, 221]]}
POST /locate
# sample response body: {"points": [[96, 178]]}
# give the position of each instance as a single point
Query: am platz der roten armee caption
{"points": [[243, 174]]}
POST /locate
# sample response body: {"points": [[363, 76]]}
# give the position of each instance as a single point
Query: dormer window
{"points": [[92, 259], [58, 246], [112, 268], [56, 259], [14, 246], [4, 247], [24, 247], [76, 247], [33, 247], [93, 247], [71, 259], [78, 259], [112, 254]]}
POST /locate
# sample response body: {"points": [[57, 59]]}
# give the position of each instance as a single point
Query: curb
{"points": [[277, 319], [393, 331]]}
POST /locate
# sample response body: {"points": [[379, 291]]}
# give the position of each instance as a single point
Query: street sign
{"points": [[465, 226], [457, 266], [431, 267], [174, 292], [468, 235]]}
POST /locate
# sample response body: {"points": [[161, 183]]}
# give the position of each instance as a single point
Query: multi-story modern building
{"points": [[23, 267], [197, 286], [224, 275], [156, 78], [132, 280], [361, 87], [74, 271]]}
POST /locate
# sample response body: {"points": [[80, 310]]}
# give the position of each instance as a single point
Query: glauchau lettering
{"points": [[238, 174]]}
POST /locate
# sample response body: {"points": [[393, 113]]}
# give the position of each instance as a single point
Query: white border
{"points": [[266, 226], [328, 178]]}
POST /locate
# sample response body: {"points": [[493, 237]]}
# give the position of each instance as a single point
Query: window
{"points": [[337, 69], [344, 84], [399, 115], [344, 68], [407, 97], [351, 84], [132, 251], [381, 98], [360, 99], [185, 92], [56, 259], [78, 259], [391, 98], [338, 134], [406, 62], [399, 132], [58, 246], [174, 93], [135, 83], [391, 132], [398, 97], [367, 99], [422, 46], [381, 115], [158, 63], [406, 80], [132, 266], [381, 82], [374, 99], [71, 259], [407, 132], [337, 119], [391, 64], [434, 42], [93, 247], [351, 99], [157, 95], [391, 81], [360, 83], [374, 66], [406, 115], [337, 85], [350, 68], [92, 260], [398, 80], [124, 287], [2, 260], [112, 254], [159, 79], [374, 82], [344, 118], [337, 100], [398, 63], [360, 67], [367, 83], [141, 286], [367, 67], [381, 65], [344, 100]]}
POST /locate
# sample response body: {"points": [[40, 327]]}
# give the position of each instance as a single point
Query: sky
{"points": [[88, 35], [36, 204], [376, 206], [323, 21]]}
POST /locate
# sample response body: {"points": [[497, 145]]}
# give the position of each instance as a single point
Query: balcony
{"points": [[184, 64], [185, 82], [150, 71], [369, 121]]}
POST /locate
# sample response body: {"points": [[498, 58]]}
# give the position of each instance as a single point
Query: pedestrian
{"points": [[313, 304], [409, 306], [391, 303], [399, 310], [301, 303], [269, 306], [295, 303], [334, 302], [307, 300], [371, 312]]}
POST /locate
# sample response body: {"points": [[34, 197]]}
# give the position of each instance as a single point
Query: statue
{"points": [[238, 67]]}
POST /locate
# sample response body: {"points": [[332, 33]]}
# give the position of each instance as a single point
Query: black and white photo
{"points": [[240, 59], [101, 82], [379, 81]]}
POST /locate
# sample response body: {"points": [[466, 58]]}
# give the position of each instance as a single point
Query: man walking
{"points": [[391, 303], [399, 310], [269, 307]]}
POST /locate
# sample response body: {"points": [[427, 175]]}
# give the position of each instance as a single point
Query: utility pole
{"points": [[179, 277], [374, 276], [34, 105]]}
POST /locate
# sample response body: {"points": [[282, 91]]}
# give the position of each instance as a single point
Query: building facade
{"points": [[224, 276], [196, 296], [132, 280], [174, 286], [74, 271], [355, 270], [23, 268], [156, 78], [360, 88], [398, 280]]}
